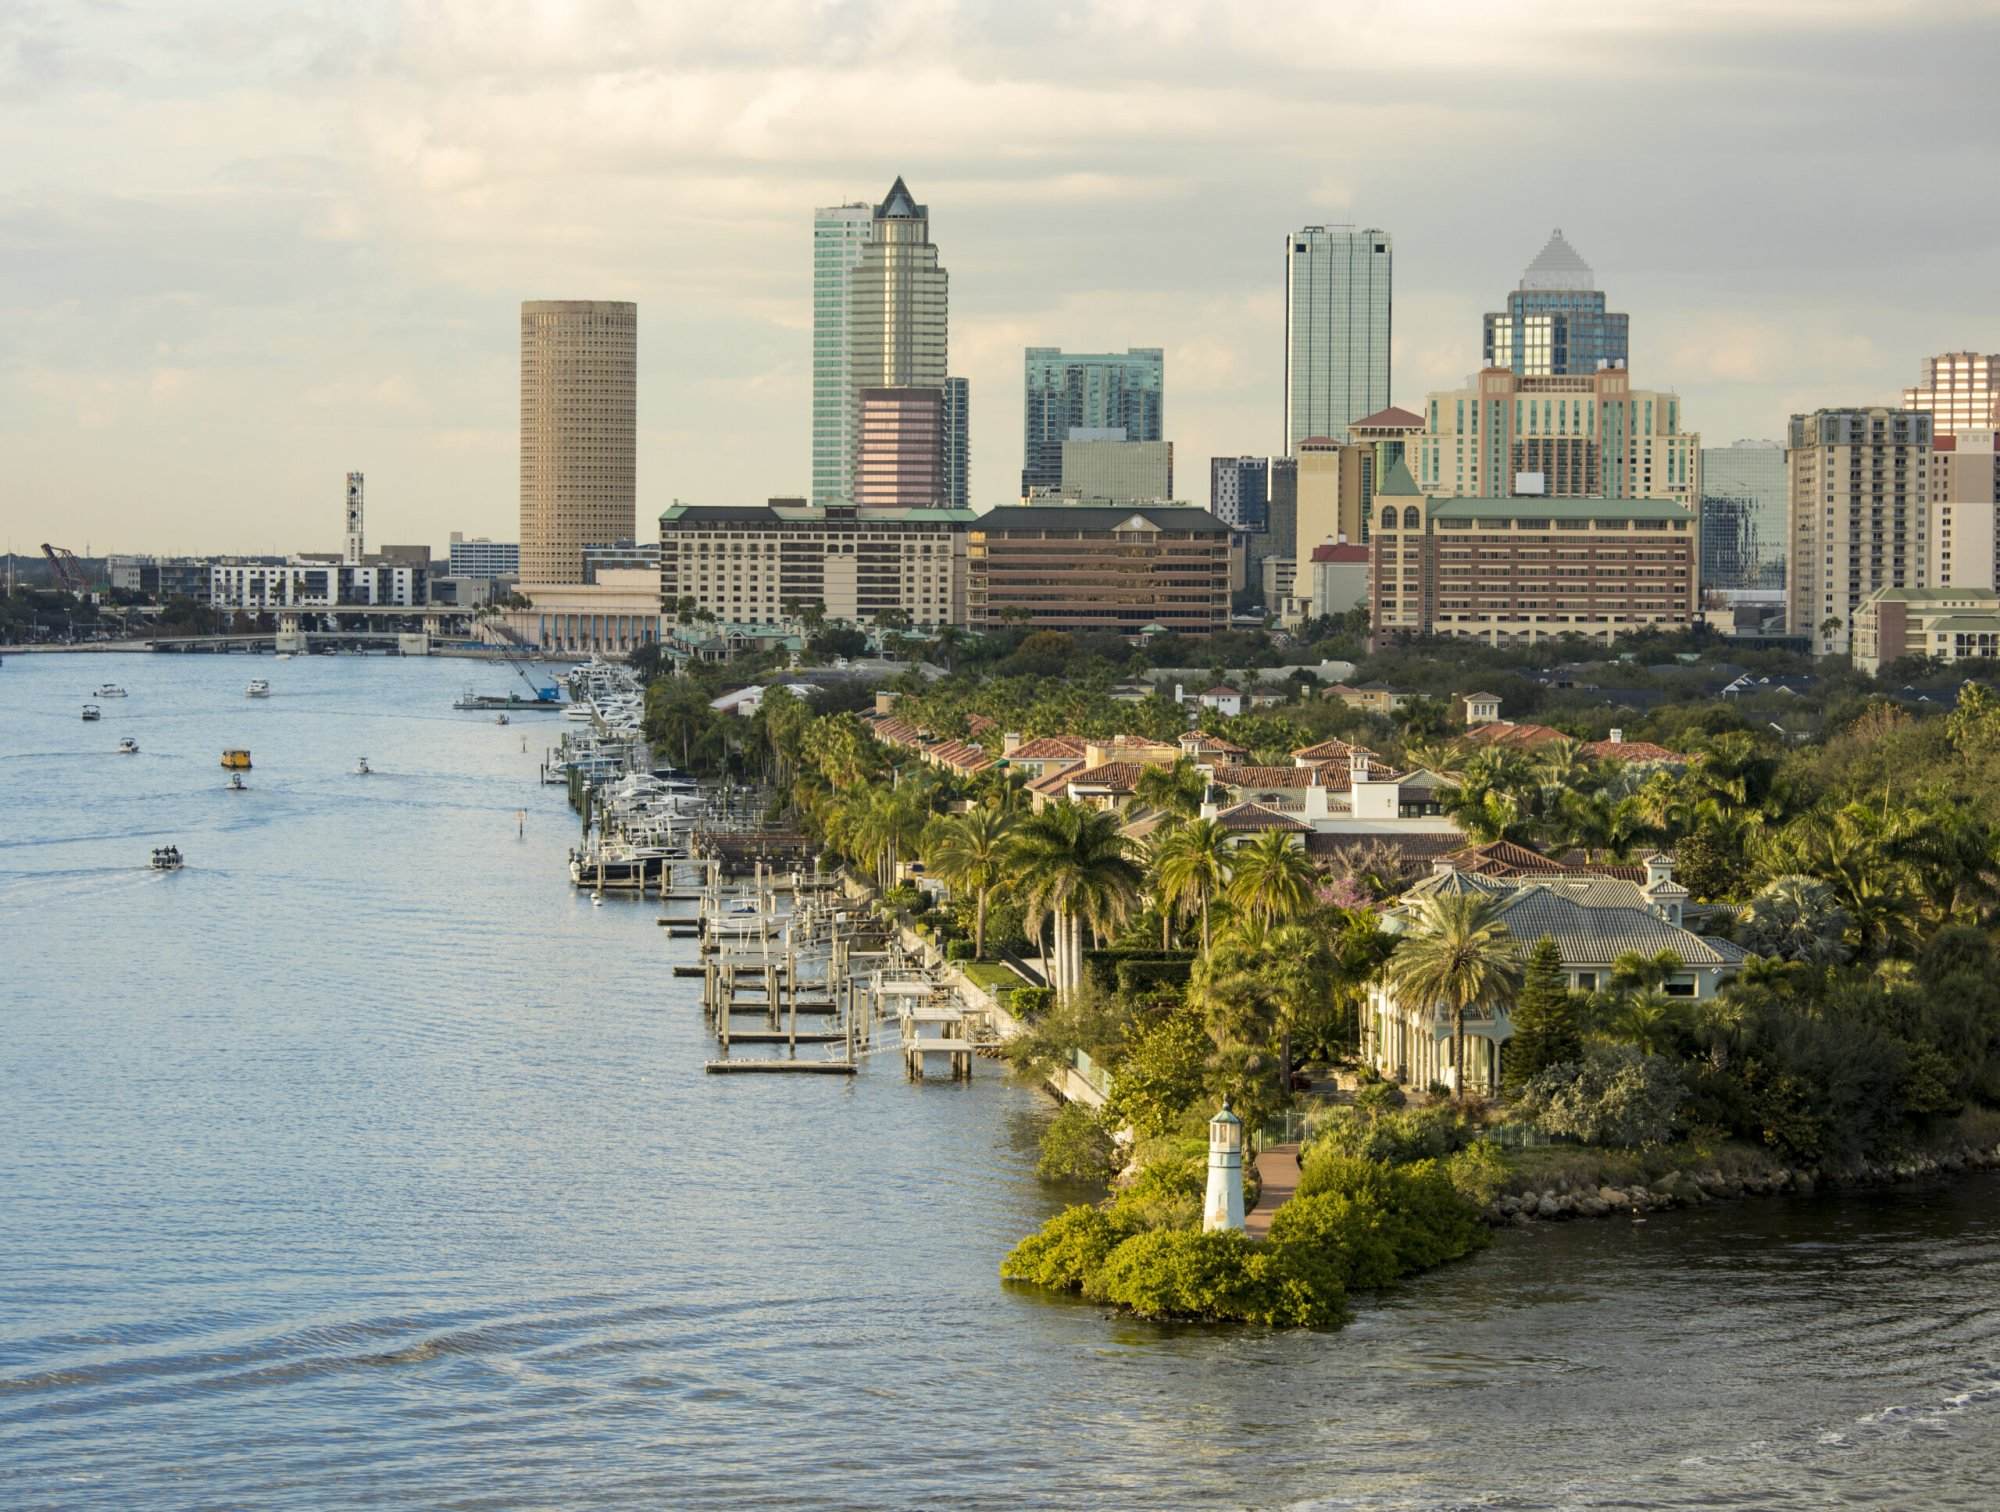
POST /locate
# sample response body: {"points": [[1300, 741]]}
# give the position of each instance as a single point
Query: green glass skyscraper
{"points": [[1337, 306], [840, 232]]}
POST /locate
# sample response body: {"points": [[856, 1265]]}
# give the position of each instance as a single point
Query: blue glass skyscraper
{"points": [[1555, 323]]}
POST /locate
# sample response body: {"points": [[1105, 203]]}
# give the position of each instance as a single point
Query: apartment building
{"points": [[1858, 491], [1947, 624], [1113, 568], [1963, 550], [314, 583]]}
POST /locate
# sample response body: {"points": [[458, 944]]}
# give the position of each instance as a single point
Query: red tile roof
{"points": [[1241, 817], [1395, 416], [1116, 776], [1329, 750], [1629, 750], [1506, 733], [1340, 553], [1049, 748], [1270, 776]]}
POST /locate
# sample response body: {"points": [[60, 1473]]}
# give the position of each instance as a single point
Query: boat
{"points": [[91, 711], [258, 689], [109, 690], [237, 784], [501, 719], [167, 858], [284, 656], [361, 767], [127, 746], [236, 759]]}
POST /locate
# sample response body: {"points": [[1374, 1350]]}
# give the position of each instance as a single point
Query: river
{"points": [[364, 1163]]}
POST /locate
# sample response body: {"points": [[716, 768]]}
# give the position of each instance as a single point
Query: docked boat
{"points": [[237, 784], [127, 746], [236, 759], [258, 689], [361, 766], [91, 711], [109, 690], [167, 858]]}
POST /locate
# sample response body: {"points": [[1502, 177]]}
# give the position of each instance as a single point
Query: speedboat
{"points": [[91, 711], [127, 746], [361, 767], [166, 858], [110, 690], [237, 784], [258, 689], [284, 656]]}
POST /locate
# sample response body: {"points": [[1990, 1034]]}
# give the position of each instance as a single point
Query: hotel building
{"points": [[1858, 500], [1084, 567]]}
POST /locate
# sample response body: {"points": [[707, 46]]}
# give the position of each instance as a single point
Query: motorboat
{"points": [[361, 766], [237, 784], [109, 690], [284, 656], [166, 858], [91, 711], [258, 689], [236, 759], [127, 746], [501, 719]]}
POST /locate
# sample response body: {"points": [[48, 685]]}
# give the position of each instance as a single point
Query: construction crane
{"points": [[514, 646], [69, 572]]}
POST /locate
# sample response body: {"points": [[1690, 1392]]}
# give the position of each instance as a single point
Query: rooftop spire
{"points": [[1556, 266], [900, 205]]}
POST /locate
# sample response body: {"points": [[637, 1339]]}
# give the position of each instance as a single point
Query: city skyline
{"points": [[233, 311]]}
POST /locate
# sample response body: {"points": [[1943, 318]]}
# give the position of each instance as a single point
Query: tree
{"points": [[1174, 791], [1794, 918], [1271, 877], [1456, 956], [1191, 868], [1545, 1022], [1074, 870], [972, 850]]}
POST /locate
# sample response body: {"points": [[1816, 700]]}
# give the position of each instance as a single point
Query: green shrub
{"points": [[1076, 1147], [1378, 1096], [1029, 1002], [1169, 1189], [1397, 1136], [1162, 1075], [1067, 1249], [1219, 1276], [1616, 1096], [958, 950]]}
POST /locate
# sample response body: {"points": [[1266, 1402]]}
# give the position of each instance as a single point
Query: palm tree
{"points": [[1456, 955], [1271, 877], [1074, 870], [972, 850], [1191, 868], [1175, 791]]}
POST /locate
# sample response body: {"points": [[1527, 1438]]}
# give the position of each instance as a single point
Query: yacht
{"points": [[127, 746], [258, 689], [237, 784], [109, 690], [91, 711], [166, 858], [361, 767]]}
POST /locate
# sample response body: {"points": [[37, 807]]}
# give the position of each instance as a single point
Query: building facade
{"points": [[1091, 391], [478, 557], [1555, 323], [1339, 286], [1333, 493], [1964, 544], [1743, 515], [901, 463], [1123, 471], [1946, 624], [579, 414], [618, 556], [899, 308], [1239, 491], [839, 234], [1084, 568], [159, 577], [314, 583], [1582, 437], [618, 613], [956, 444], [763, 564], [1958, 391], [1858, 489]]}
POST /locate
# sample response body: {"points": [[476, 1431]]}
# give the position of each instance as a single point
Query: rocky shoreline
{"points": [[1571, 1198]]}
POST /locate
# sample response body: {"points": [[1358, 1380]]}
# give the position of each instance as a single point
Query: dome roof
{"points": [[1557, 266]]}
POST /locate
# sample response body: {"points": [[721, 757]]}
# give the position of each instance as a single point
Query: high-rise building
{"points": [[1337, 308], [1239, 491], [1858, 484], [1565, 437], [1066, 392], [839, 234], [1555, 322], [1743, 515], [1964, 510], [1126, 471], [579, 415], [901, 459], [356, 536], [1958, 391], [899, 305], [1332, 494], [956, 444], [477, 557], [1116, 568]]}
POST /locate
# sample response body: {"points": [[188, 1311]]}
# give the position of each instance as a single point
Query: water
{"points": [[364, 1163]]}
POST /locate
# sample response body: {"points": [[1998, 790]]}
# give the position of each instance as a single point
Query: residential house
{"points": [[1370, 698], [1222, 698], [1480, 708]]}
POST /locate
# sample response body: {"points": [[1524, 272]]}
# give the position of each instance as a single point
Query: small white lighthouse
{"points": [[1224, 1207]]}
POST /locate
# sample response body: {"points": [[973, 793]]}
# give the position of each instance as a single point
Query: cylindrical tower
{"points": [[579, 414], [1224, 1205]]}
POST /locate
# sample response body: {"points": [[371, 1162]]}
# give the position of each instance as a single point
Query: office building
{"points": [[901, 462], [579, 415], [1280, 536], [1945, 624], [1100, 392], [1743, 516], [1555, 323], [1858, 493], [1958, 391], [898, 309], [762, 564], [840, 232], [1964, 513], [1121, 471], [477, 557], [1239, 491], [1564, 437], [620, 556], [1338, 284], [1513, 569], [957, 443], [1082, 568], [1332, 493]]}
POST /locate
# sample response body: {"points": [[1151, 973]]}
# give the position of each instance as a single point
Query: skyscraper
{"points": [[898, 304], [1858, 482], [1743, 515], [1555, 322], [579, 412], [1337, 307], [902, 442], [957, 443], [839, 234], [1239, 491], [1094, 391], [1958, 391]]}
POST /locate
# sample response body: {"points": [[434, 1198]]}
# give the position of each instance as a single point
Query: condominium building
{"points": [[1122, 471], [1743, 515], [579, 413], [1239, 491], [1066, 392], [1569, 437], [159, 577], [478, 557], [760, 564], [902, 438], [1514, 569], [1858, 489], [957, 443], [1958, 391], [1555, 323], [1338, 288], [1946, 624], [899, 315], [1086, 568], [1964, 512], [1332, 493], [840, 232], [314, 582]]}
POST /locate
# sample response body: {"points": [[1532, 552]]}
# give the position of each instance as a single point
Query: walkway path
{"points": [[1278, 1170]]}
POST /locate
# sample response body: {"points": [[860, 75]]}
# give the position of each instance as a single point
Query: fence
{"points": [[1091, 1072]]}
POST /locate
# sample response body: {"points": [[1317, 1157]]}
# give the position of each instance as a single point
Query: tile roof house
{"points": [[1254, 818], [1353, 794], [1593, 920], [1631, 752], [1507, 734]]}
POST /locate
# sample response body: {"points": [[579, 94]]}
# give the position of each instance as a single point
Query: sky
{"points": [[245, 247]]}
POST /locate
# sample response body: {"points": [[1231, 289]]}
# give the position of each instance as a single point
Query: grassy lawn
{"points": [[989, 974]]}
